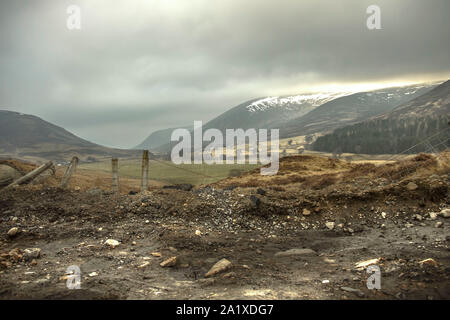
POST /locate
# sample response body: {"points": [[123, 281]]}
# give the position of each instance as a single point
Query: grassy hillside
{"points": [[167, 172]]}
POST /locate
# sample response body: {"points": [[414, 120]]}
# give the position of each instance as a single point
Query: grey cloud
{"points": [[137, 66]]}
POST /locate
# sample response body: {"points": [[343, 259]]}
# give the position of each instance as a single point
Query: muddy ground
{"points": [[344, 219]]}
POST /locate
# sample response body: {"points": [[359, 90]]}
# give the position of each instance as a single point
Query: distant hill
{"points": [[351, 109], [393, 132], [158, 138], [270, 112], [264, 113], [28, 136]]}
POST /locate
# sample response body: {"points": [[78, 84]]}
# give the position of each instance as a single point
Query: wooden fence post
{"points": [[144, 171], [69, 171], [115, 174], [31, 175]]}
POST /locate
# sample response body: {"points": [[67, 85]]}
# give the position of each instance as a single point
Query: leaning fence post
{"points": [[68, 174], [144, 171], [31, 175], [115, 174]]}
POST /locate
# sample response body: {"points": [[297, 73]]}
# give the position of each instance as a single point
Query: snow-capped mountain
{"points": [[292, 102], [352, 108], [265, 113], [310, 112]]}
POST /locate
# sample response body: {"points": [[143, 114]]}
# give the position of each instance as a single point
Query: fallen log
{"points": [[32, 175]]}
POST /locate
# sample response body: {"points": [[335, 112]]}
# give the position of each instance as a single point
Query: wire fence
{"points": [[434, 144]]}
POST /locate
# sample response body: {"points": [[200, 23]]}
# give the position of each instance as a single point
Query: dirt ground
{"points": [[344, 213]]}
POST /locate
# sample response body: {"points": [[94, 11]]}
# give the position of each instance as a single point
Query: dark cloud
{"points": [[137, 66]]}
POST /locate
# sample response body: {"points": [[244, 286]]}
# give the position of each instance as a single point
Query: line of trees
{"points": [[385, 136]]}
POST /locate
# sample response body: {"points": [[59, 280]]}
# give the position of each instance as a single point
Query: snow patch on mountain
{"points": [[292, 102]]}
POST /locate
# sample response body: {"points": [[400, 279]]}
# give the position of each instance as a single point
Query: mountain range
{"points": [[379, 121], [419, 125], [305, 114], [351, 109]]}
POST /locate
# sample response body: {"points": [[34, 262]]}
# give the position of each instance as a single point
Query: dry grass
{"points": [[319, 172], [22, 166], [305, 171]]}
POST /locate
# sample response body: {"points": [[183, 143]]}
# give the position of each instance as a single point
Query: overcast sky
{"points": [[141, 65]]}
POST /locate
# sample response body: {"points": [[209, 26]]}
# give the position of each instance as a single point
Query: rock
{"points": [[261, 191], [306, 212], [219, 267], [366, 263], [255, 200], [198, 233], [229, 275], [418, 217], [145, 264], [429, 261], [15, 254], [13, 232], [358, 292], [295, 252], [411, 186], [112, 243], [383, 214], [93, 274], [171, 262], [438, 224], [433, 215], [445, 213], [31, 253], [156, 254], [329, 225]]}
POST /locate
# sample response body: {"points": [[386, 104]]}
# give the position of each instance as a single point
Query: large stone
{"points": [[112, 243], [13, 232], [445, 213], [329, 225], [171, 262], [219, 267], [31, 253], [295, 252]]}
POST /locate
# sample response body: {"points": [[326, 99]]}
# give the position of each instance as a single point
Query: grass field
{"points": [[167, 172]]}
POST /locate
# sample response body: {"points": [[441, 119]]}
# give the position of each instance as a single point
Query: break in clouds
{"points": [[138, 66]]}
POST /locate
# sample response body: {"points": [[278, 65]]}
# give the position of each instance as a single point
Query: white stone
{"points": [[112, 243]]}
